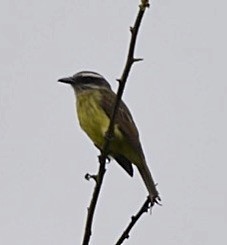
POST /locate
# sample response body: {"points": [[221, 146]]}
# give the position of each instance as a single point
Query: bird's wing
{"points": [[128, 128], [123, 119]]}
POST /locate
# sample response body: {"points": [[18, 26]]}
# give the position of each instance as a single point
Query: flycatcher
{"points": [[94, 103]]}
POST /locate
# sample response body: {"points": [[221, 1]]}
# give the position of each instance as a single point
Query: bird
{"points": [[94, 105]]}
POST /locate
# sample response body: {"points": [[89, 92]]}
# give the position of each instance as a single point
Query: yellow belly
{"points": [[92, 118], [94, 121]]}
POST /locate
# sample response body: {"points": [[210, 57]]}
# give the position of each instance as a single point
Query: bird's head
{"points": [[86, 80]]}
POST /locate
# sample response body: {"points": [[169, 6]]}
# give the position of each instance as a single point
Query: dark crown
{"points": [[89, 78]]}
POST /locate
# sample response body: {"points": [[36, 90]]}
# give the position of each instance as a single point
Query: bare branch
{"points": [[92, 206], [109, 134], [125, 235]]}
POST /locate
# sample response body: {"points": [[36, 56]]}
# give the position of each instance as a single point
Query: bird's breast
{"points": [[92, 118]]}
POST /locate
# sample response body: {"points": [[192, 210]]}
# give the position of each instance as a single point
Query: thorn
{"points": [[131, 29], [133, 218], [89, 176], [137, 59]]}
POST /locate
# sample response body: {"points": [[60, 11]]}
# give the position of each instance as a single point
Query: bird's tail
{"points": [[149, 182]]}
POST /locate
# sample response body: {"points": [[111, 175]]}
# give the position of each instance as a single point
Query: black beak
{"points": [[68, 80]]}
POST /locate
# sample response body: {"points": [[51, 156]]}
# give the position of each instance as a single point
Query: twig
{"points": [[125, 235], [109, 134], [99, 179]]}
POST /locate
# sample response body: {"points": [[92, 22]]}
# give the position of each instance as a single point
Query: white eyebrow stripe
{"points": [[91, 86], [90, 74]]}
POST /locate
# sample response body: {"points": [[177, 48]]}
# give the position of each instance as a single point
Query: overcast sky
{"points": [[177, 96]]}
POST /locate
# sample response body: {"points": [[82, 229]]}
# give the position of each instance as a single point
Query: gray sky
{"points": [[178, 99]]}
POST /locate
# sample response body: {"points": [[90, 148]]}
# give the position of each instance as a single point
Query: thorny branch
{"points": [[125, 235], [109, 134]]}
